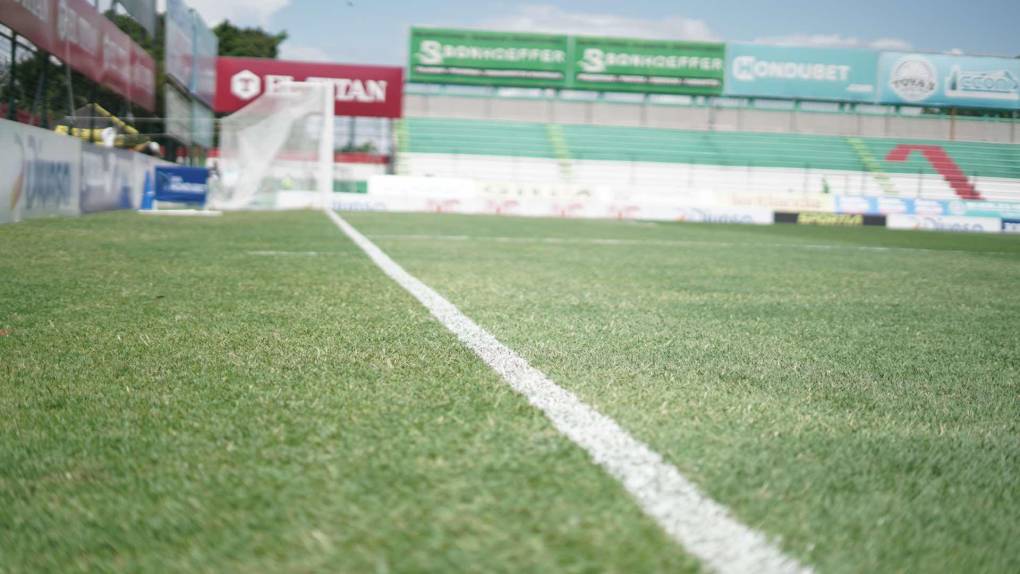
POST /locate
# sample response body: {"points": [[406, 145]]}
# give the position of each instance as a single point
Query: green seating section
{"points": [[585, 142]]}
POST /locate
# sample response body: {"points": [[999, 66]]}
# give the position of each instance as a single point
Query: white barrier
{"points": [[462, 195], [39, 173], [945, 223], [44, 174]]}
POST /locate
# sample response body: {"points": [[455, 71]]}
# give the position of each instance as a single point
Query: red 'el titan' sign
{"points": [[373, 91], [78, 35], [943, 164]]}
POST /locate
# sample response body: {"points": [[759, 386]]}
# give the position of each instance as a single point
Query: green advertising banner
{"points": [[651, 66], [488, 58], [485, 58]]}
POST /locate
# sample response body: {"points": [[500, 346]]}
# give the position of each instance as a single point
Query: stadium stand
{"points": [[708, 161]]}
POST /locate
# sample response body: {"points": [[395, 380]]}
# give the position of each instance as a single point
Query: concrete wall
{"points": [[703, 118]]}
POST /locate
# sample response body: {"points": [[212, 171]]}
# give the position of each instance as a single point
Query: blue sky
{"points": [[375, 32]]}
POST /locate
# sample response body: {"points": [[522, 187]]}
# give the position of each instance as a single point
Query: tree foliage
{"points": [[248, 42]]}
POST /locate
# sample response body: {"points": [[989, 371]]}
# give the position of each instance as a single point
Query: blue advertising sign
{"points": [[754, 70], [182, 184], [886, 205], [949, 81]]}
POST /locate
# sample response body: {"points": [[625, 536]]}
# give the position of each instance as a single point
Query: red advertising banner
{"points": [[368, 91], [33, 19], [74, 32]]}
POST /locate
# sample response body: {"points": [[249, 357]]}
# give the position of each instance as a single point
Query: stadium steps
{"points": [[502, 142], [872, 166], [560, 148], [403, 136]]}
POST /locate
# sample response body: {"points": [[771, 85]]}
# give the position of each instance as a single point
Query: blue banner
{"points": [[887, 205], [182, 184], [754, 70], [949, 81]]}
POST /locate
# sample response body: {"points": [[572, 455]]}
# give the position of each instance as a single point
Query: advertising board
{"points": [[650, 66], [207, 46], [948, 81], [178, 114], [143, 12], [203, 125], [885, 205], [44, 174], [179, 47], [181, 184], [77, 34], [746, 215], [755, 70], [1011, 225], [107, 179], [946, 223], [830, 219], [373, 91], [38, 173], [487, 58]]}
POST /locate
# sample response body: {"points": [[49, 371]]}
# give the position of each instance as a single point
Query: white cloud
{"points": [[891, 44], [546, 18], [239, 11], [835, 41], [292, 51]]}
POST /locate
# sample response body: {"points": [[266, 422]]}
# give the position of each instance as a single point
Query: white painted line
{"points": [[704, 528]]}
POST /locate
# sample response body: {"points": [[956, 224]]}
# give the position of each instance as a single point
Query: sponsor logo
{"points": [[596, 60], [433, 53], [695, 215], [840, 219], [177, 184], [245, 85], [43, 183], [749, 69], [985, 85], [1011, 225], [939, 224], [946, 223], [913, 79]]}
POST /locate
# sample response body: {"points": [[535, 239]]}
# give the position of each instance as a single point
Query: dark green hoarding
{"points": [[488, 58], [651, 66], [565, 62]]}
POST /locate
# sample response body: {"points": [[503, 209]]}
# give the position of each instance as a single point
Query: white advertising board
{"points": [[44, 174], [945, 223], [39, 173]]}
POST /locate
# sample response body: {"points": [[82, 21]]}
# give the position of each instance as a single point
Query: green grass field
{"points": [[250, 393]]}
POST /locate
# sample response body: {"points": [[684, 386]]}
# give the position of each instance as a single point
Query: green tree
{"points": [[248, 42]]}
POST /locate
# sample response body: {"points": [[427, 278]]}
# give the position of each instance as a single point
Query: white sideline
{"points": [[703, 527]]}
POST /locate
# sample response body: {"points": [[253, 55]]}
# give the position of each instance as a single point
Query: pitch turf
{"points": [[249, 393]]}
